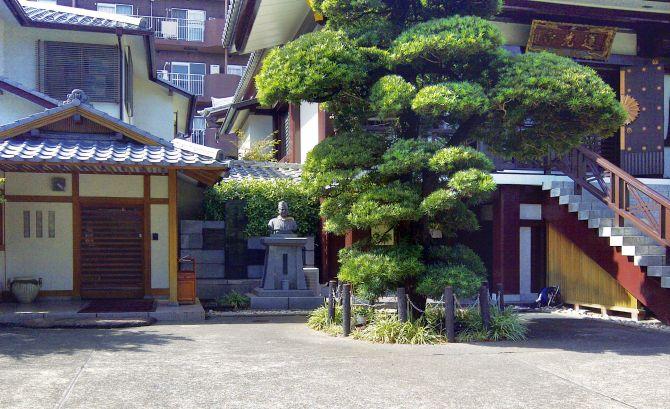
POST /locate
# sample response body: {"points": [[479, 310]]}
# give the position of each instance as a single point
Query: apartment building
{"points": [[188, 52]]}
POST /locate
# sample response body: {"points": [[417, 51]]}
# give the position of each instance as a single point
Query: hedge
{"points": [[261, 198]]}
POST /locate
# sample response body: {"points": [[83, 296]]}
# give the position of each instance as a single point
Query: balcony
{"points": [[198, 136], [179, 34], [193, 83], [177, 28]]}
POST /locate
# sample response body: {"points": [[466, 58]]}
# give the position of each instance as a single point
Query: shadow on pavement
{"points": [[548, 331], [22, 343]]}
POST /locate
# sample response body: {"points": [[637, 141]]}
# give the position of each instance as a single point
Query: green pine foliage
{"points": [[434, 73]]}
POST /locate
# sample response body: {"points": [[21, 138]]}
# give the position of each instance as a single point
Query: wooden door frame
{"points": [[114, 203]]}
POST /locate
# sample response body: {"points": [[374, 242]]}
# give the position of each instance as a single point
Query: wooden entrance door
{"points": [[112, 251]]}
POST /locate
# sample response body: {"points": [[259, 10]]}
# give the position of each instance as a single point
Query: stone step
{"points": [[594, 214], [649, 260], [566, 199], [618, 231], [643, 250], [560, 191], [658, 271], [577, 206], [632, 241], [665, 282], [601, 222]]}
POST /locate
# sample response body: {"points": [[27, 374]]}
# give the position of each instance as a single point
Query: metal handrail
{"points": [[193, 83], [176, 28], [590, 171]]}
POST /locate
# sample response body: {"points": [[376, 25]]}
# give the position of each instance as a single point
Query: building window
{"points": [[93, 68], [190, 24], [198, 130], [189, 76], [235, 69], [39, 224], [52, 224], [26, 223], [125, 9]]}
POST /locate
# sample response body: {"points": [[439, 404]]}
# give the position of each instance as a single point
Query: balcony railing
{"points": [[177, 28], [193, 83], [198, 136]]}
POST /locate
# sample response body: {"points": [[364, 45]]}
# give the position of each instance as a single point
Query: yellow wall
{"points": [[581, 279], [39, 257], [159, 187], [52, 258], [35, 184], [111, 185]]}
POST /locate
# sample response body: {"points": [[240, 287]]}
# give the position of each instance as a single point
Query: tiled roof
{"points": [[241, 170], [49, 13], [36, 150]]}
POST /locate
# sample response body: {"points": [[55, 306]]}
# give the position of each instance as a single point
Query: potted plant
{"points": [[25, 289]]}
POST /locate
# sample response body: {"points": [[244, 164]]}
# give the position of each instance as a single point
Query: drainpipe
{"points": [[119, 34]]}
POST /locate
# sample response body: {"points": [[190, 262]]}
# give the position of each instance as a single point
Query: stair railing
{"points": [[628, 198]]}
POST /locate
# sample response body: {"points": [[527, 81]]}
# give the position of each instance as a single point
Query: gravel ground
{"points": [[277, 362]]}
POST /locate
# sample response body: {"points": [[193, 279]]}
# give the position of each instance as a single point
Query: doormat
{"points": [[100, 306]]}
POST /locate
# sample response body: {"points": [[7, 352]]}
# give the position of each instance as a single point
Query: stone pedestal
{"points": [[284, 284]]}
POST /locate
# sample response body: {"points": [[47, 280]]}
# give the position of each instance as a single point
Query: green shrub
{"points": [[261, 198], [234, 300], [387, 329]]}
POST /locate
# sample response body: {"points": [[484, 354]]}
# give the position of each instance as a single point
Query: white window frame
{"points": [[115, 6]]}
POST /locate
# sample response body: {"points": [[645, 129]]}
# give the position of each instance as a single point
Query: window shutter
{"points": [[93, 68]]}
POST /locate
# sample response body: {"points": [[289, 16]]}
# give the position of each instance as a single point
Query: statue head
{"points": [[282, 209]]}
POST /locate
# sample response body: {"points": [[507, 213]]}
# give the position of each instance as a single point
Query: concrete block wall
{"points": [[206, 241], [203, 241]]}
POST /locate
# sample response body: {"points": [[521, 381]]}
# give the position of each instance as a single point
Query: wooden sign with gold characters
{"points": [[572, 40]]}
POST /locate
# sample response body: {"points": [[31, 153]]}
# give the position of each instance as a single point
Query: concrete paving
{"points": [[272, 362], [66, 309]]}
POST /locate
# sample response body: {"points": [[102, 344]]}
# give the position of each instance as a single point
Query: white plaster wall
{"points": [[524, 260], [153, 107], [13, 107], [111, 185], [159, 187], [20, 56], [309, 128], [255, 129], [46, 258], [160, 248], [35, 184]]}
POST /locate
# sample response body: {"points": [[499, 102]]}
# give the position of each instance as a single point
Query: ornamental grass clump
{"points": [[387, 329], [506, 325]]}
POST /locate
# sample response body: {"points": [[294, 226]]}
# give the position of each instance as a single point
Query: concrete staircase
{"points": [[645, 252]]}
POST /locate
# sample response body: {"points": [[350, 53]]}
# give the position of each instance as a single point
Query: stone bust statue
{"points": [[283, 223]]}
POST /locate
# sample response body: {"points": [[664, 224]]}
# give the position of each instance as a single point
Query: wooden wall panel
{"points": [[581, 279]]}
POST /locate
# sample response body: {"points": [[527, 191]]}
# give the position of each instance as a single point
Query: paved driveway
{"points": [[279, 363]]}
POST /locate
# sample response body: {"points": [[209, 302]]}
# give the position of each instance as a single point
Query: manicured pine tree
{"points": [[434, 75]]}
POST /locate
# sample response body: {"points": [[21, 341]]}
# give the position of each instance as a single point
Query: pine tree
{"points": [[411, 85]]}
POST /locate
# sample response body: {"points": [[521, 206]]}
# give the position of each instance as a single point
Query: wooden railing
{"points": [[629, 198]]}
